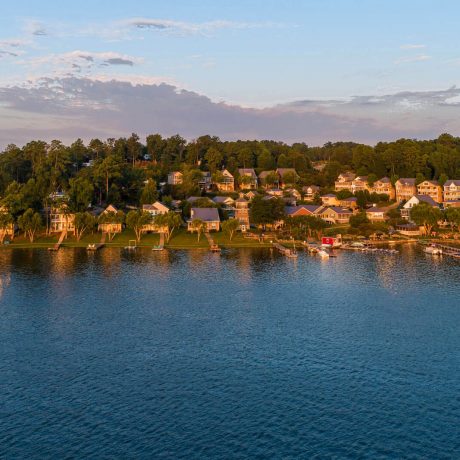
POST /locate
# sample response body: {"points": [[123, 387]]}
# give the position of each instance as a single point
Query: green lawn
{"points": [[181, 239]]}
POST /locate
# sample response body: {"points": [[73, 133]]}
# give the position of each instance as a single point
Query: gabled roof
{"points": [[223, 199], [452, 182], [348, 176], [192, 199], [360, 178], [375, 210], [175, 172], [384, 180], [247, 172], [432, 182], [241, 200], [227, 173], [110, 208], [205, 214], [422, 198], [157, 206], [352, 199], [406, 181], [311, 208], [329, 195], [340, 210], [283, 171], [264, 174]]}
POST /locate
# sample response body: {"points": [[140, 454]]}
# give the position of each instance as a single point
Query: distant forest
{"points": [[117, 170]]}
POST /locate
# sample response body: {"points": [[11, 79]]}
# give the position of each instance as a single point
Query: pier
{"points": [[59, 243], [101, 244], [446, 249], [213, 246], [292, 253]]}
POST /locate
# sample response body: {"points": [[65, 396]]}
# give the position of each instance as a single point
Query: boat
{"points": [[323, 254], [157, 248], [433, 250], [131, 245]]}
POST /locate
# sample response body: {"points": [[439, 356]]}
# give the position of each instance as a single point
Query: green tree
{"points": [[149, 193], [30, 223], [453, 216], [136, 220], [83, 222], [111, 217], [199, 227], [425, 215], [6, 223], [214, 158], [358, 219], [80, 193], [107, 170], [170, 221], [230, 226], [265, 212]]}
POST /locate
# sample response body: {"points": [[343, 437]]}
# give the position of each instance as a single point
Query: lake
{"points": [[187, 354]]}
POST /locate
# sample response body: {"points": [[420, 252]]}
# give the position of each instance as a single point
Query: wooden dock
{"points": [[291, 253], [96, 247], [214, 247], [59, 243], [161, 245], [446, 249]]}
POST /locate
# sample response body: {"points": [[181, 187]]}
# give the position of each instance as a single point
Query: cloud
{"points": [[410, 46], [73, 107], [191, 28], [119, 61], [408, 59], [36, 28]]}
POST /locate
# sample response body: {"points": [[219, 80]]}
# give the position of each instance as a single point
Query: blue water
{"points": [[245, 355]]}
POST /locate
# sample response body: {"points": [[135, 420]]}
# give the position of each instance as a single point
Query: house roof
{"points": [[432, 182], [375, 210], [384, 180], [206, 214], [283, 171], [192, 199], [423, 198], [340, 210], [406, 181], [313, 187], [247, 172], [264, 174], [361, 178], [352, 199], [110, 208], [311, 208], [347, 176], [223, 199], [157, 206], [452, 182], [329, 195], [241, 200]]}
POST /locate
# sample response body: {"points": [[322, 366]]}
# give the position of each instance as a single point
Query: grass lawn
{"points": [[123, 239], [182, 239], [237, 241]]}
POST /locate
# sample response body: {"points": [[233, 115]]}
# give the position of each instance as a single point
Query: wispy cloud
{"points": [[35, 28], [412, 46], [168, 25], [409, 59]]}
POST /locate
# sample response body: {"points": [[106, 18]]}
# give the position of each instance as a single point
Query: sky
{"points": [[291, 70]]}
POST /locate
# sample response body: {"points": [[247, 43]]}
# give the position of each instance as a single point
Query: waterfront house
{"points": [[430, 188], [414, 200], [226, 183], [359, 184], [335, 215], [155, 209], [61, 219], [288, 176], [210, 217], [248, 178], [383, 186], [242, 213], [409, 229], [375, 214], [175, 178], [310, 191], [405, 188], [110, 227], [452, 190], [344, 181], [329, 200]]}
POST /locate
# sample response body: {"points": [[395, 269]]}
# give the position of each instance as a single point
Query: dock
{"points": [[214, 247], [97, 246], [446, 249], [59, 243], [161, 245], [292, 253]]}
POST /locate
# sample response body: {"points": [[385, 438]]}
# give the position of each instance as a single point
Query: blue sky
{"points": [[251, 54]]}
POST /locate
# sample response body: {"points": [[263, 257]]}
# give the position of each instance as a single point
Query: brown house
{"points": [[242, 213], [430, 188], [405, 188]]}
